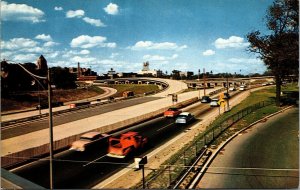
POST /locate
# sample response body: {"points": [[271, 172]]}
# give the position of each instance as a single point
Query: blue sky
{"points": [[101, 34]]}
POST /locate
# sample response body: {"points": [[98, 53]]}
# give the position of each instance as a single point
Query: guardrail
{"points": [[184, 161]]}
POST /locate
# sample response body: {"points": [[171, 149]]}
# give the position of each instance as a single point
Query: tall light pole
{"points": [[48, 80], [199, 82], [204, 81], [227, 86]]}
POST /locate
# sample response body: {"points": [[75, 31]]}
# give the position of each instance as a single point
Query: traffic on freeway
{"points": [[75, 169]]}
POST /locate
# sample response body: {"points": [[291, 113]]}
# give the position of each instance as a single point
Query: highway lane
{"points": [[70, 171], [36, 125], [264, 156]]}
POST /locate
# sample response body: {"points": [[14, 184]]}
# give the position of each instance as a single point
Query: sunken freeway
{"points": [[86, 169]]}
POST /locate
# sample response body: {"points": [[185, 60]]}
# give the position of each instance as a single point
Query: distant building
{"points": [[187, 74], [127, 75], [111, 73], [83, 73], [147, 72]]}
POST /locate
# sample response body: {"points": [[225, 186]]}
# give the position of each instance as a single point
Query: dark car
{"points": [[226, 96], [205, 99]]}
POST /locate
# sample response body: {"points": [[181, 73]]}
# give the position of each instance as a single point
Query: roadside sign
{"points": [[174, 97], [221, 102]]}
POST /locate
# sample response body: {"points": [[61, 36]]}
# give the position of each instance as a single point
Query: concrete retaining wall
{"points": [[35, 153]]}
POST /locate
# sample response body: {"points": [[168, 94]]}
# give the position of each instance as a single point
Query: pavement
{"points": [[264, 156], [41, 137], [128, 177]]}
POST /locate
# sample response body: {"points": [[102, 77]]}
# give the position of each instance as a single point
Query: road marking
{"points": [[165, 127], [93, 161]]}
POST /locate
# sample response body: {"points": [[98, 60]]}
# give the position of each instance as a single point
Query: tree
{"points": [[279, 50]]}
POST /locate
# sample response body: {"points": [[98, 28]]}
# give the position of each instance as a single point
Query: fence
{"points": [[168, 175]]}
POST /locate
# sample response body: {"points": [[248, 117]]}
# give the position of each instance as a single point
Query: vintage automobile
{"points": [[214, 102], [125, 144], [205, 99], [172, 112], [184, 118], [88, 139]]}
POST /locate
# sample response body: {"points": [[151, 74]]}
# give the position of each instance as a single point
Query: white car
{"points": [[214, 102], [184, 118], [242, 88], [88, 139], [232, 89]]}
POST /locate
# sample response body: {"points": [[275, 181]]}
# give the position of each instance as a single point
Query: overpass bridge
{"points": [[222, 82]]}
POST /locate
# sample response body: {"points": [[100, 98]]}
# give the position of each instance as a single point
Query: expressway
{"points": [[87, 169], [264, 156], [63, 130], [77, 170], [31, 126]]}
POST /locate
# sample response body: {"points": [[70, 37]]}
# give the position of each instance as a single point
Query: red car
{"points": [[172, 112]]}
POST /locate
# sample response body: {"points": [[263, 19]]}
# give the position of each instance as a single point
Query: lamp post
{"points": [[48, 80], [199, 83]]}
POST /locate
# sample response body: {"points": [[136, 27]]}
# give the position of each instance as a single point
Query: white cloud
{"points": [[58, 8], [43, 37], [20, 12], [50, 44], [84, 52], [159, 58], [208, 52], [83, 59], [77, 13], [85, 41], [149, 45], [231, 42], [111, 9], [18, 43], [113, 55], [25, 58], [94, 22]]}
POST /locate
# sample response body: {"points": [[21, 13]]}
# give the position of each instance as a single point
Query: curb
{"points": [[209, 161]]}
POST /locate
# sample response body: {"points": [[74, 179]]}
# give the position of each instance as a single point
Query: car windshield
{"points": [[172, 109], [85, 139]]}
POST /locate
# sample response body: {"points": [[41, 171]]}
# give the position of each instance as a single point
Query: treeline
{"points": [[15, 79]]}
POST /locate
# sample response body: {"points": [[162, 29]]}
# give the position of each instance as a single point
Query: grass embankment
{"points": [[136, 89], [26, 100]]}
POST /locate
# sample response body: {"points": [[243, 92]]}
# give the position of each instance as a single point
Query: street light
{"points": [[48, 80]]}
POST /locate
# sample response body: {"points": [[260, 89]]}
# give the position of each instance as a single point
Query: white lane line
{"points": [[165, 127], [93, 161]]}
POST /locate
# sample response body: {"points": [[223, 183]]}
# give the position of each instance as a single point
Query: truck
{"points": [[125, 144]]}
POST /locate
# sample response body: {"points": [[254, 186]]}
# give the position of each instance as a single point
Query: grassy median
{"points": [[136, 89]]}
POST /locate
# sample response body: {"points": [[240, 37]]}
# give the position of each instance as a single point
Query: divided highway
{"points": [[86, 169]]}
